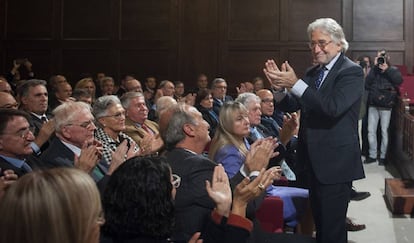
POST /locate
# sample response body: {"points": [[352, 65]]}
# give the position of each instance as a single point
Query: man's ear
{"points": [[65, 132], [188, 130]]}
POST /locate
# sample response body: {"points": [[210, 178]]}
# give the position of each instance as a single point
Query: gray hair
{"points": [[23, 89], [179, 115], [128, 96], [330, 27], [247, 98], [64, 113], [102, 104], [163, 103], [217, 81]]}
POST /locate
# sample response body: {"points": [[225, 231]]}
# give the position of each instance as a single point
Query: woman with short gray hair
{"points": [[110, 122]]}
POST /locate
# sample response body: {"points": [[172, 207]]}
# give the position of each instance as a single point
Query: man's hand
{"points": [[290, 127], [89, 157], [285, 77], [260, 153], [219, 190], [6, 180], [47, 129], [122, 153]]}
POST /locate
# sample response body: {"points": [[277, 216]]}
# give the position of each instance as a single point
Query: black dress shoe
{"points": [[358, 196], [369, 160], [381, 162], [351, 226]]}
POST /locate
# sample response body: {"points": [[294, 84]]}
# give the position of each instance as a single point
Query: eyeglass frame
{"points": [[117, 116], [86, 124], [322, 44], [22, 133], [268, 101]]}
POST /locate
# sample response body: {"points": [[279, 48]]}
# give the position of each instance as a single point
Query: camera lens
{"points": [[381, 60]]}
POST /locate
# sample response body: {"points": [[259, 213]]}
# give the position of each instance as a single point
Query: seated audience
{"points": [[82, 95], [204, 104], [110, 121], [7, 101], [107, 86], [219, 91], [75, 144], [145, 184], [62, 93], [58, 205], [143, 131], [185, 134], [5, 87], [230, 147], [16, 137], [87, 83]]}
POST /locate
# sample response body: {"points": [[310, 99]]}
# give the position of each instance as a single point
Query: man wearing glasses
{"points": [[75, 145], [329, 97], [16, 137]]}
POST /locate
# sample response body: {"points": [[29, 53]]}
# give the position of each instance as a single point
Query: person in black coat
{"points": [[204, 104]]}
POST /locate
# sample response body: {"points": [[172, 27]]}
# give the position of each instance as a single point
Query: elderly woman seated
{"points": [[110, 121]]}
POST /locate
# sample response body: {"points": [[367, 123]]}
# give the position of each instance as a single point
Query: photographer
{"points": [[381, 83], [16, 74]]}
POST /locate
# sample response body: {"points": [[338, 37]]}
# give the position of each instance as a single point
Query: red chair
{"points": [[407, 88], [403, 69], [270, 215]]}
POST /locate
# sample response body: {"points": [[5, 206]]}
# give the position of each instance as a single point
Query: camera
{"points": [[381, 58], [363, 64]]}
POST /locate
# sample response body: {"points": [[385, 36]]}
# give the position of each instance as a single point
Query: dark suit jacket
{"points": [[37, 124], [328, 135], [192, 203], [217, 104], [31, 160], [58, 155], [209, 119]]}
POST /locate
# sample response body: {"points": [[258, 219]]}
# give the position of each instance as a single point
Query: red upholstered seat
{"points": [[407, 88], [270, 215]]}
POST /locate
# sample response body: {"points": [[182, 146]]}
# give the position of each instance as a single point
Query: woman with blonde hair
{"points": [[230, 146], [87, 83], [58, 205]]}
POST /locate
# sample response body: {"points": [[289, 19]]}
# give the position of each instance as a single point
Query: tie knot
{"points": [[43, 118]]}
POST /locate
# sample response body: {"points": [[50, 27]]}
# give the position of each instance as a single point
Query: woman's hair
{"points": [[103, 103], [58, 205], [81, 84], [225, 132], [138, 201], [201, 95], [330, 27]]}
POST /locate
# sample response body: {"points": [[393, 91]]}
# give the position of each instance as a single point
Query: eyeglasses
{"points": [[267, 101], [118, 115], [87, 124], [23, 133], [221, 87], [321, 44], [176, 181]]}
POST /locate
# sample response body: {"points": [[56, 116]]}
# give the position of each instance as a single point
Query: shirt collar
{"points": [[14, 161], [332, 62], [73, 148]]}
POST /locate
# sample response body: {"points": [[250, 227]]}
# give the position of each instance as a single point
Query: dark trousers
{"points": [[329, 207]]}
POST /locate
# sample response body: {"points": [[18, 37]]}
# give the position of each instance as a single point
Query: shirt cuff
{"points": [[299, 88]]}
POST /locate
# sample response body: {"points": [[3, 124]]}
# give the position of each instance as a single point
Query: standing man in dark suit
{"points": [[329, 97]]}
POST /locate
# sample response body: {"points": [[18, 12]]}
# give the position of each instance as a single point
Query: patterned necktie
{"points": [[319, 80]]}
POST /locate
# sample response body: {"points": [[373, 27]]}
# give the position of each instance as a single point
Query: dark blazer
{"points": [[58, 155], [31, 160], [37, 124], [209, 119], [192, 203], [328, 134], [217, 104]]}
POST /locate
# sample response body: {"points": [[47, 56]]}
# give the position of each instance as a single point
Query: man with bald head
{"points": [[133, 85], [8, 101]]}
